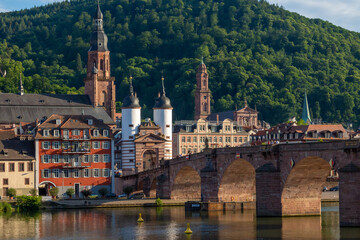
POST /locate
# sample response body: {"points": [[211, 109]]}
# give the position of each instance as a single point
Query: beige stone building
{"points": [[17, 160], [192, 136]]}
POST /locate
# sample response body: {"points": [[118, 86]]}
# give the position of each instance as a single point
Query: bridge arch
{"points": [[186, 184], [301, 193], [237, 182]]}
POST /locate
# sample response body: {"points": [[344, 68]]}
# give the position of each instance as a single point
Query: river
{"points": [[170, 223]]}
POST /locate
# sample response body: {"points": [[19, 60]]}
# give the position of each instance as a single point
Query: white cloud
{"points": [[338, 12]]}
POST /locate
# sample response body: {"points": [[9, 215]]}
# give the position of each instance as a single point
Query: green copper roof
{"points": [[305, 112]]}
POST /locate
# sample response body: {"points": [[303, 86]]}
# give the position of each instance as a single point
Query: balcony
{"points": [[76, 165], [75, 138], [76, 151]]}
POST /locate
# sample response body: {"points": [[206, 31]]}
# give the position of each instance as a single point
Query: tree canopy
{"points": [[252, 49]]}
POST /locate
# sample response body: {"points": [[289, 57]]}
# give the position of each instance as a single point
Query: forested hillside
{"points": [[251, 48]]}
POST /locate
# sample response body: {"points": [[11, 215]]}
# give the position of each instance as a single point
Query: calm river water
{"points": [[170, 223]]}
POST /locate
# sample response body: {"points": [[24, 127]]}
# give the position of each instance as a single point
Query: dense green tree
{"points": [[252, 49]]}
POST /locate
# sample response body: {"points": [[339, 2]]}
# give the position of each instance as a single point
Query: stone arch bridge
{"points": [[284, 179]]}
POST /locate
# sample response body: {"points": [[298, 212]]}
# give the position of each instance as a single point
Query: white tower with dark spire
{"points": [[131, 120], [163, 118]]}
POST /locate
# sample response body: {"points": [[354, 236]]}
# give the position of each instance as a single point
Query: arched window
{"points": [[102, 64], [205, 107], [103, 98]]}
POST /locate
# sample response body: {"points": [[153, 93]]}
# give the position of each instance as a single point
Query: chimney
{"points": [[217, 118]]}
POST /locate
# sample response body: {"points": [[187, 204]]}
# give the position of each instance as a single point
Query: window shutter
{"points": [[90, 172], [101, 158], [103, 172], [42, 145], [52, 174], [42, 158], [42, 173]]}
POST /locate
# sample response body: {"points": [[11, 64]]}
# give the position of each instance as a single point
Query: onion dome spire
{"points": [[162, 101], [131, 101]]}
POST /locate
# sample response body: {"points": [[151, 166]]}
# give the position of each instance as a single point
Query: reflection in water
{"points": [[170, 224]]}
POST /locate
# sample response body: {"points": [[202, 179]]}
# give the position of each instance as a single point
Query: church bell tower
{"points": [[99, 85], [202, 93]]}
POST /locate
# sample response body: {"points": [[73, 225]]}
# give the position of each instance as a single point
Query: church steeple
{"points": [[21, 87], [305, 112], [202, 92], [99, 85]]}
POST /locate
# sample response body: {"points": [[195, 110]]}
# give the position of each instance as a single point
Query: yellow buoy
{"points": [[140, 218], [188, 230]]}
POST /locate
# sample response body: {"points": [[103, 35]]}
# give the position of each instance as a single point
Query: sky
{"points": [[344, 13]]}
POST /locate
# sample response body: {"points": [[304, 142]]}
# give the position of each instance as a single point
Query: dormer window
{"points": [[96, 133], [58, 121], [46, 132], [90, 122], [56, 133], [105, 133]]}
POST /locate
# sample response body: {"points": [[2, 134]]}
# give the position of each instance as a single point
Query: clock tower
{"points": [[202, 93]]}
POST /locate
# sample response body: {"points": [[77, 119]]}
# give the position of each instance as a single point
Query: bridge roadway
{"points": [[284, 179]]}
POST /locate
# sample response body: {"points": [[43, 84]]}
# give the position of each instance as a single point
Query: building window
{"points": [[227, 139], [21, 167], [76, 173], [201, 139], [240, 139], [235, 139], [45, 145], [56, 173], [183, 139], [106, 158], [66, 173], [210, 139], [86, 158], [106, 145], [220, 139], [215, 139], [106, 133], [96, 133], [86, 172], [46, 132], [188, 139], [55, 158], [65, 145], [96, 145], [183, 151], [66, 159], [56, 145], [195, 139], [56, 133], [11, 167], [66, 133], [96, 158], [27, 181], [2, 167], [131, 125], [46, 158], [5, 181], [46, 173], [75, 132], [30, 167], [167, 126], [106, 172], [96, 172]]}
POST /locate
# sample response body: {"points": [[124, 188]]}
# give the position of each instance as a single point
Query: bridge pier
{"points": [[349, 195], [209, 185], [163, 189], [268, 191]]}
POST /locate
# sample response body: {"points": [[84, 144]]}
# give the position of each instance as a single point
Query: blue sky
{"points": [[344, 13]]}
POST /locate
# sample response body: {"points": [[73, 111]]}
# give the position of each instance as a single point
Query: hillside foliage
{"points": [[252, 49]]}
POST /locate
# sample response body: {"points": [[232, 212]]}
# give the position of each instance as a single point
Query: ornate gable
{"points": [[148, 138]]}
